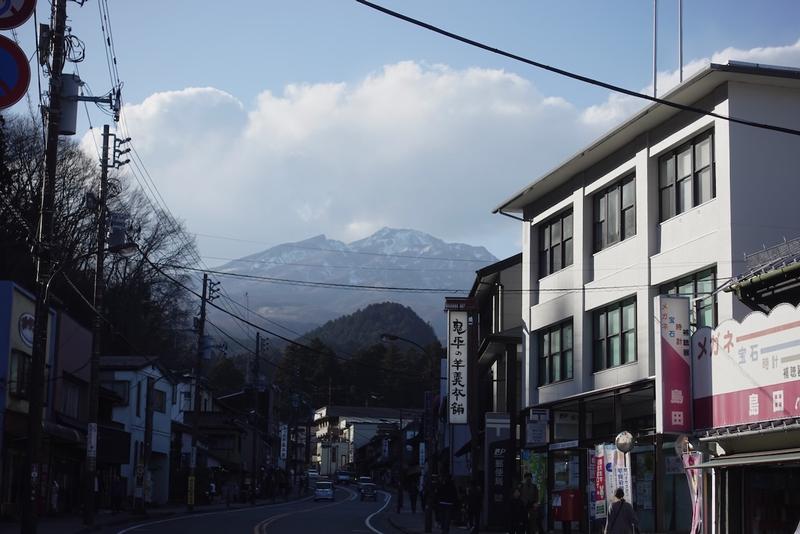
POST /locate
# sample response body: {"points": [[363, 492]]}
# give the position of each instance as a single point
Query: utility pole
{"points": [[254, 426], [30, 479], [196, 420], [94, 384]]}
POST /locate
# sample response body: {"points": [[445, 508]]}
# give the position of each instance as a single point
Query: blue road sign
{"points": [[15, 74], [14, 13]]}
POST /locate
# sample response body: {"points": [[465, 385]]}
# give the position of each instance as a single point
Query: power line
{"points": [[349, 267], [574, 76]]}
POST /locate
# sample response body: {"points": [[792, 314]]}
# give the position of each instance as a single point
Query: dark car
{"points": [[343, 477], [369, 491]]}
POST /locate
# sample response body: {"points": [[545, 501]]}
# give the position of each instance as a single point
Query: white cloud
{"points": [[618, 107], [411, 145]]}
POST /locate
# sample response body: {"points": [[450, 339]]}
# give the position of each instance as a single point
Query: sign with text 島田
{"points": [[457, 366], [748, 372], [673, 365]]}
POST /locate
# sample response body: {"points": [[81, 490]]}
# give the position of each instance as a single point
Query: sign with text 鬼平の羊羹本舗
{"points": [[749, 371], [457, 366], [673, 365]]}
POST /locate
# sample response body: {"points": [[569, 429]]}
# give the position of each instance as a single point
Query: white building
{"points": [[668, 202], [137, 375]]}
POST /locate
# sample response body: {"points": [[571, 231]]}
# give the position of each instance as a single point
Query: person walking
{"points": [[448, 499], [400, 482], [529, 492], [474, 505], [413, 493], [621, 518], [518, 516]]}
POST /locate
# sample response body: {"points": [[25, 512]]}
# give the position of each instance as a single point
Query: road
{"points": [[347, 514]]}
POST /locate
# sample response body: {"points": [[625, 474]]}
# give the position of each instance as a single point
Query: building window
{"points": [[615, 334], [121, 388], [160, 401], [555, 353], [686, 176], [19, 374], [139, 398], [186, 402], [615, 213], [70, 398], [696, 286], [555, 244]]}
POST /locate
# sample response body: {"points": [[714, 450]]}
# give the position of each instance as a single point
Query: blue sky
{"points": [[289, 119]]}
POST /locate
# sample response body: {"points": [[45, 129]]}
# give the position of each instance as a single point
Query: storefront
{"points": [[567, 464]]}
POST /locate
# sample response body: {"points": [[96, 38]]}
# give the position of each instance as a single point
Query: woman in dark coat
{"points": [[621, 518], [518, 515]]}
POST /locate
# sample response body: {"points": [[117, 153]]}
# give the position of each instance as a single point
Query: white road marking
{"points": [[218, 512], [369, 518]]}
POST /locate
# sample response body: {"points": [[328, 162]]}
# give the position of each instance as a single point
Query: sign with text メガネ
{"points": [[457, 362], [748, 372], [673, 365]]}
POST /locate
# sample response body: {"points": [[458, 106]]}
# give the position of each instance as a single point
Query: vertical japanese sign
{"points": [[673, 366], [457, 366], [599, 483], [617, 473], [284, 441]]}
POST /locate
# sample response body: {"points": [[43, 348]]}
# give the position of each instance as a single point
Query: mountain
{"points": [[392, 258], [350, 333]]}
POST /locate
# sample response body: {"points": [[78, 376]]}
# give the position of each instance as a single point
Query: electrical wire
{"points": [[579, 77]]}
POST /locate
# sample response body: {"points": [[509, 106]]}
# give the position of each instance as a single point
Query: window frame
{"points": [[71, 399], [673, 182], [159, 400], [564, 354], [19, 374], [548, 262], [603, 338], [602, 233], [695, 278]]}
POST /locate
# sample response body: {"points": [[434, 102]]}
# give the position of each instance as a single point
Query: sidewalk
{"points": [[73, 524]]}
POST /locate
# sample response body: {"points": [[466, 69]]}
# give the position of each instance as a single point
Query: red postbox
{"points": [[567, 505]]}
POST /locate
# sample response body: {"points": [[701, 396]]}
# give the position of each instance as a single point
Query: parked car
{"points": [[343, 477], [312, 474], [323, 491], [368, 490]]}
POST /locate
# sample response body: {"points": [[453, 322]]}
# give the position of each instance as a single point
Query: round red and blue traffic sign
{"points": [[14, 13], [15, 74]]}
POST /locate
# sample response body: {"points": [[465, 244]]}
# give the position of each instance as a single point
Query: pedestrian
{"points": [[448, 500], [621, 518], [413, 493], [517, 514], [54, 496], [117, 491], [400, 494], [529, 492], [474, 505], [212, 491]]}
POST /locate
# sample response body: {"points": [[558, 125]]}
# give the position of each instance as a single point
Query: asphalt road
{"points": [[347, 514]]}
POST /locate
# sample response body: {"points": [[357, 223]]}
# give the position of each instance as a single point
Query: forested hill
{"points": [[359, 330]]}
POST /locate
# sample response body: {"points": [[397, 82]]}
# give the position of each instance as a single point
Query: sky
{"points": [[262, 121]]}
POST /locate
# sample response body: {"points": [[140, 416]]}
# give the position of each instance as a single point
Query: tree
{"points": [[224, 377]]}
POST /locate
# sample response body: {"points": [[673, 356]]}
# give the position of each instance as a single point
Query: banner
{"points": [[673, 366], [695, 480], [748, 372], [599, 483], [457, 362], [617, 473]]}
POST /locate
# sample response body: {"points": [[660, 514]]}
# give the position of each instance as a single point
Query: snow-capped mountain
{"points": [[389, 258]]}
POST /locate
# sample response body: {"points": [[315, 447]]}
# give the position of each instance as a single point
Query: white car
{"points": [[323, 491]]}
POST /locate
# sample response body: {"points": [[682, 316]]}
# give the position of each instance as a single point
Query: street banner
{"points": [[617, 473], [673, 366], [695, 480], [599, 483], [749, 371], [457, 362]]}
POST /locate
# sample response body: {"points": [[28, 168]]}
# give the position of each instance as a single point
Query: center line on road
{"points": [[261, 528], [369, 518]]}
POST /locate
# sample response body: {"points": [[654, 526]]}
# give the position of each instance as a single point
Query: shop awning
{"points": [[752, 458]]}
